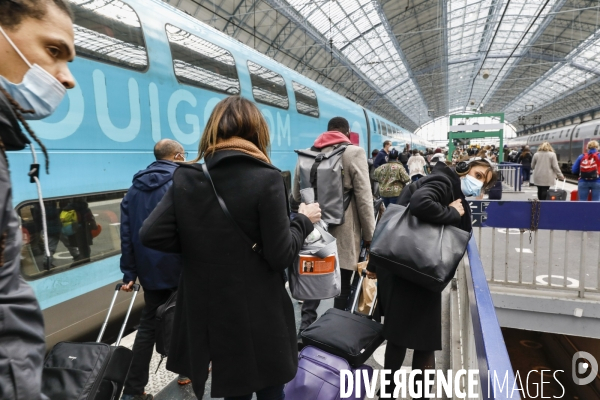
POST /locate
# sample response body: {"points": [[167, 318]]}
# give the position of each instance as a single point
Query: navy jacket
{"points": [[380, 159], [156, 270]]}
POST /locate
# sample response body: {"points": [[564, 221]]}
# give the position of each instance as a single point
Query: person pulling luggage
{"points": [[546, 169], [157, 271], [354, 213]]}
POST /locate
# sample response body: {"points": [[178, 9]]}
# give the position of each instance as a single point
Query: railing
{"points": [[476, 340], [563, 253], [510, 174]]}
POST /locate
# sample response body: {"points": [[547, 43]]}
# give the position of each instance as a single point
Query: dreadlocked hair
{"points": [[19, 111]]}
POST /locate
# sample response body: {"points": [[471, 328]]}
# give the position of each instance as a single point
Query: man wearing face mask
{"points": [[36, 42], [438, 198]]}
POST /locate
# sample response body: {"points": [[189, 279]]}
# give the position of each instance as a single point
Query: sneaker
{"points": [[183, 380], [137, 397]]}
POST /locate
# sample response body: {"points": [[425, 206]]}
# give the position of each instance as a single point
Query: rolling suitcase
{"points": [[319, 377], [346, 334], [557, 194], [89, 371]]}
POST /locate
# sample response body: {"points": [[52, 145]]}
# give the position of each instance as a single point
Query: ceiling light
{"points": [[485, 74]]}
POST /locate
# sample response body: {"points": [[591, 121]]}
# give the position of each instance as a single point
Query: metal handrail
{"points": [[492, 356]]}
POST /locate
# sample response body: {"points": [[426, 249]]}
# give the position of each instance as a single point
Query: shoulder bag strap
{"points": [[255, 246]]}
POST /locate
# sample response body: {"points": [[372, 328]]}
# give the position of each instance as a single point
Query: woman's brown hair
{"points": [[234, 116]]}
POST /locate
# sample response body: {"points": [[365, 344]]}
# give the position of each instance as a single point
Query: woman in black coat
{"points": [[232, 305], [413, 315]]}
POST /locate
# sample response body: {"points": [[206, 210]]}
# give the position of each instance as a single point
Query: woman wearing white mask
{"points": [[413, 314], [36, 42]]}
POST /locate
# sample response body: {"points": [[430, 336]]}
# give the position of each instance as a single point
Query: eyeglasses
{"points": [[184, 155]]}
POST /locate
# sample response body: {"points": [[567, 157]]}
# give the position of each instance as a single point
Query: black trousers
{"points": [[394, 357], [542, 192], [137, 379], [309, 307]]}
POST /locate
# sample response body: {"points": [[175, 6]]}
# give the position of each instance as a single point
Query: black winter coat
{"points": [[413, 315], [232, 305]]}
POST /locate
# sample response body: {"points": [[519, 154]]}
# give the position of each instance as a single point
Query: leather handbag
{"points": [[421, 252]]}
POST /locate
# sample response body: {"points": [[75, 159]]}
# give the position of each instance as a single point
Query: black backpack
{"points": [[165, 315], [403, 157]]}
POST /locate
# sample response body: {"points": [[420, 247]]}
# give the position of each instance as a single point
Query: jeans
{"points": [[416, 177], [309, 307], [526, 173], [270, 393], [389, 200], [584, 187], [137, 379]]}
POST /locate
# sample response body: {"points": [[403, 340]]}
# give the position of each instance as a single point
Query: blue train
{"points": [[146, 71]]}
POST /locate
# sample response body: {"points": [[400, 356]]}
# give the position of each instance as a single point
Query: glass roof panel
{"points": [[551, 86], [467, 21], [366, 43]]}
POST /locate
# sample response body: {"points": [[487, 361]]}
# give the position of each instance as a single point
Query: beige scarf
{"points": [[243, 145]]}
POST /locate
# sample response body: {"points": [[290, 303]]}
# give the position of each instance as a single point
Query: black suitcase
{"points": [[89, 371], [345, 334], [557, 194], [496, 191]]}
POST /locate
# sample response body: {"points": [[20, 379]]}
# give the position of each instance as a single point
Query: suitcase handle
{"points": [[563, 184], [359, 291], [136, 289]]}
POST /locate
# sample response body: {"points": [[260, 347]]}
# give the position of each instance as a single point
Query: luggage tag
{"points": [[310, 265]]}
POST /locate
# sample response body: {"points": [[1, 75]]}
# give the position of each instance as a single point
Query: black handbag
{"points": [[421, 252]]}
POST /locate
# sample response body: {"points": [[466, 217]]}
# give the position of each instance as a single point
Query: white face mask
{"points": [[39, 91], [470, 186]]}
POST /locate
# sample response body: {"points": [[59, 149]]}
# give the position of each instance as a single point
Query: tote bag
{"points": [[421, 252], [315, 274]]}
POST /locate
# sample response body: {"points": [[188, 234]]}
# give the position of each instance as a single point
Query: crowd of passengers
{"points": [[234, 316]]}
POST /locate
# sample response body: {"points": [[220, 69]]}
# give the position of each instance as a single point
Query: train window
{"points": [[374, 125], [81, 229], [200, 63], [268, 87], [577, 133], [546, 137], [596, 130], [381, 132], [306, 100], [559, 136], [109, 31]]}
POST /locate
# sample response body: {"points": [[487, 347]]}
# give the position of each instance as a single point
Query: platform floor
{"points": [[163, 384]]}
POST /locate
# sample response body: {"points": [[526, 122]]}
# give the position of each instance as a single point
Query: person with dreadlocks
{"points": [[36, 42]]}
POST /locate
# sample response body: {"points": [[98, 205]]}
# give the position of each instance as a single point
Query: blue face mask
{"points": [[470, 186], [39, 91]]}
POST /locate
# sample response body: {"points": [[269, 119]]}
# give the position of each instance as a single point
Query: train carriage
{"points": [[147, 71], [569, 142]]}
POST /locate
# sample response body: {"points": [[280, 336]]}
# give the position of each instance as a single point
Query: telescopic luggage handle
{"points": [[358, 292], [563, 184], [136, 289]]}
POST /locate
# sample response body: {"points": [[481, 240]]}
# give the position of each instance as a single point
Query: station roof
{"points": [[414, 60]]}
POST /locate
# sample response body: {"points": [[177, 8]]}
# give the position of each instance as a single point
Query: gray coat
{"points": [[359, 219], [546, 168], [22, 343]]}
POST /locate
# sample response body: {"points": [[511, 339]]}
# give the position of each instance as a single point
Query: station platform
{"points": [[163, 384]]}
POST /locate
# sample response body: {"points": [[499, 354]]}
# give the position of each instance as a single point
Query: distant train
{"points": [[147, 71], [568, 142]]}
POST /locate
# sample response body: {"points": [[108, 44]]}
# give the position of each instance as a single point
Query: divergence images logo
{"points": [[584, 363]]}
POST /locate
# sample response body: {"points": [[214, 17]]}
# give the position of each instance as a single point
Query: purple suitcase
{"points": [[318, 376]]}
